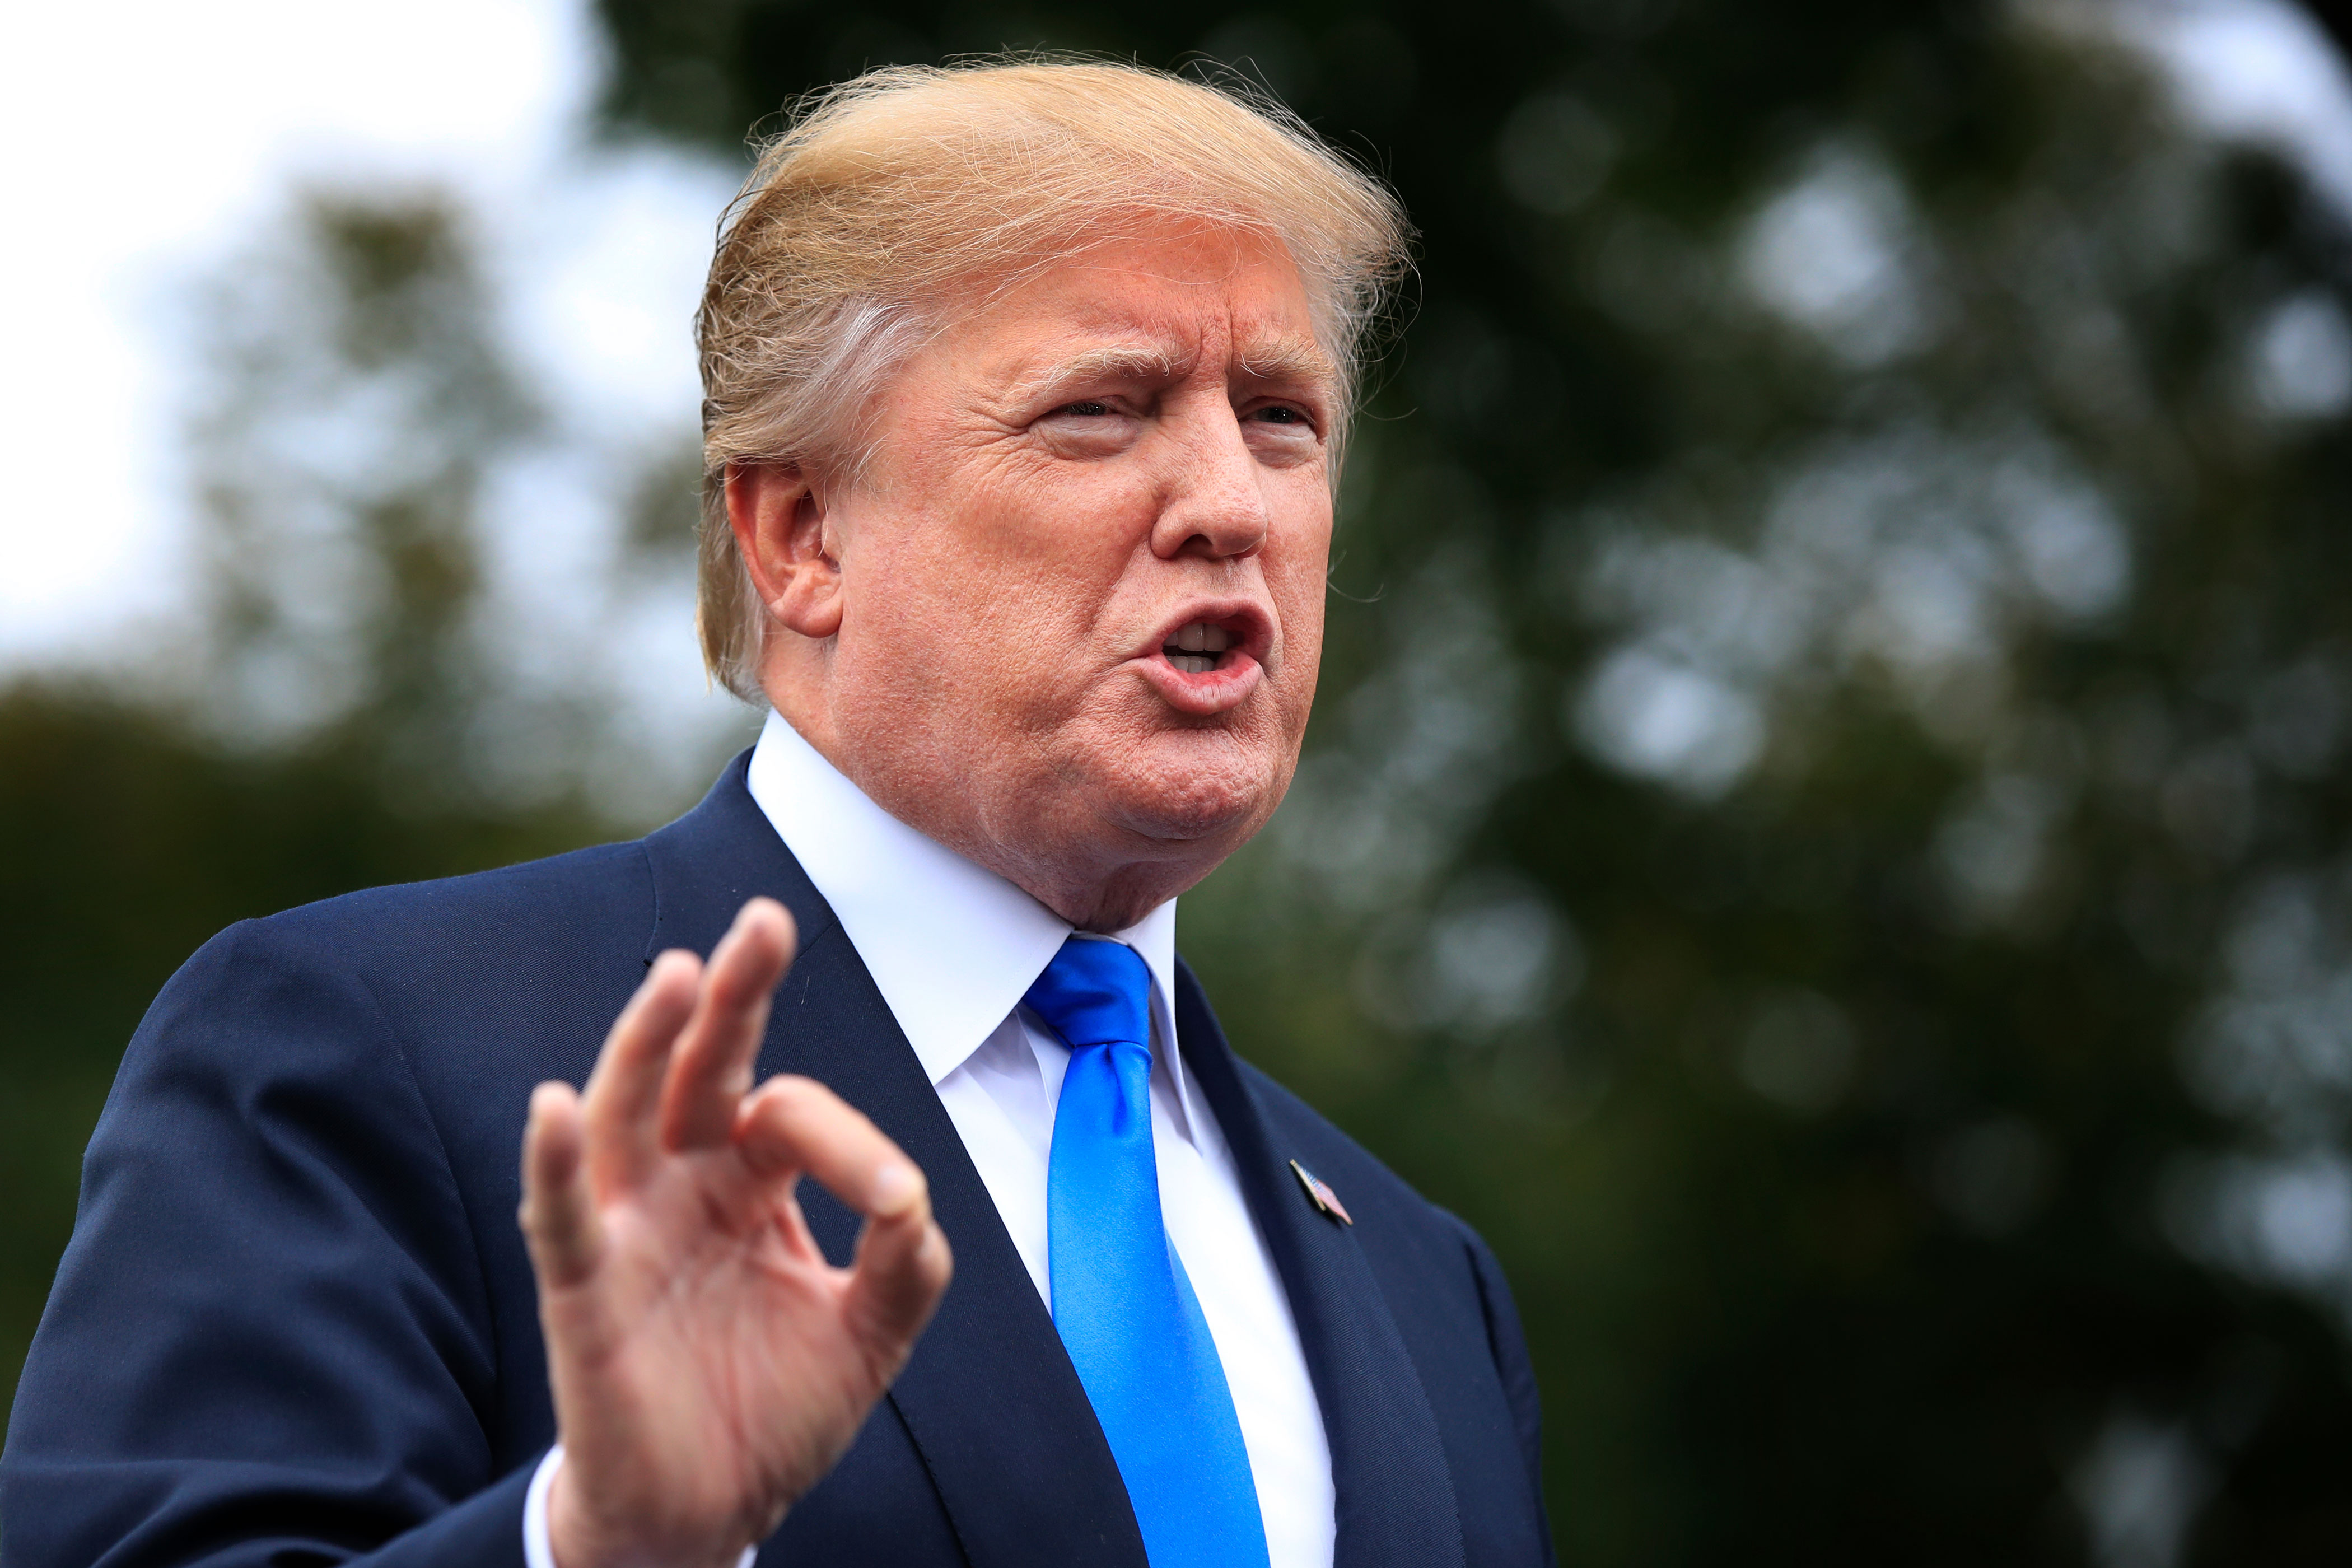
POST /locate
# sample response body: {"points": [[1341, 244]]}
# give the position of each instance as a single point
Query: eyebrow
{"points": [[1291, 359], [1280, 359], [1123, 361]]}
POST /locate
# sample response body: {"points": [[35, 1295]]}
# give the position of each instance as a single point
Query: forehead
{"points": [[1170, 302]]}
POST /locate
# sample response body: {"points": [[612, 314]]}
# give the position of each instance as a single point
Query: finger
{"points": [[712, 1069], [901, 1271], [559, 1214], [795, 1124], [903, 1261], [792, 1229], [625, 1091]]}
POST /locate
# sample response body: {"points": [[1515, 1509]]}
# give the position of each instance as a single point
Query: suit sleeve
{"points": [[268, 1340], [1509, 1343]]}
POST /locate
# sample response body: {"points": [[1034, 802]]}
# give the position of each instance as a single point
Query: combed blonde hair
{"points": [[888, 197]]}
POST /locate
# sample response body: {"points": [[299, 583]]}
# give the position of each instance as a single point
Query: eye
{"points": [[1086, 408], [1282, 414]]}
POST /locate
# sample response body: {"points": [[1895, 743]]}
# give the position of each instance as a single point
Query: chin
{"points": [[1192, 797]]}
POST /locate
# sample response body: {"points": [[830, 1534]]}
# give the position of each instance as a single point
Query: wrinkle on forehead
{"points": [[1137, 312], [1158, 334]]}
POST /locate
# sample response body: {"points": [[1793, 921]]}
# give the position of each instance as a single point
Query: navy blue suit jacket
{"points": [[296, 1324]]}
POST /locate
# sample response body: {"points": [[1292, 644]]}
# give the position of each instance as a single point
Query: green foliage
{"points": [[1824, 834], [356, 402], [128, 842], [337, 719], [1837, 649]]}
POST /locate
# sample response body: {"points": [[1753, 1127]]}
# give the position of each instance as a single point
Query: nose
{"points": [[1214, 505]]}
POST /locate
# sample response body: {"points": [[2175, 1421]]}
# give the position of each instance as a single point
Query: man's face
{"points": [[1082, 582]]}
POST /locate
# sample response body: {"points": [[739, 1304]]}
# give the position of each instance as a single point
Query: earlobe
{"points": [[779, 517]]}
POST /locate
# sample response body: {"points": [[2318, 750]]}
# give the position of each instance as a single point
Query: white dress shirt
{"points": [[953, 948]]}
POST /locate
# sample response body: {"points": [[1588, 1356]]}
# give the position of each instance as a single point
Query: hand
{"points": [[708, 1366]]}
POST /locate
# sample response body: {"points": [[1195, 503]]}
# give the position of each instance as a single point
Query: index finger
{"points": [[710, 1071], [903, 1260], [796, 1123], [618, 1105]]}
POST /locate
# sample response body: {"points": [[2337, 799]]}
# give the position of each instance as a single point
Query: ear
{"points": [[789, 545]]}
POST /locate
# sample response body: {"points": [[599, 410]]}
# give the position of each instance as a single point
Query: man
{"points": [[1027, 383]]}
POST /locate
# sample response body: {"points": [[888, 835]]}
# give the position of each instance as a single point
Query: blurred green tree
{"points": [[318, 726], [357, 400], [127, 841], [1825, 833]]}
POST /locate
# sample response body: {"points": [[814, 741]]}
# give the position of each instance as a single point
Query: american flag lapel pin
{"points": [[1319, 1194]]}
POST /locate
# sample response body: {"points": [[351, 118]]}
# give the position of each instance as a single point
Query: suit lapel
{"points": [[989, 1398], [1395, 1492]]}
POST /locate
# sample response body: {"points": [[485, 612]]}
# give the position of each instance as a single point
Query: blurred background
{"points": [[1828, 833]]}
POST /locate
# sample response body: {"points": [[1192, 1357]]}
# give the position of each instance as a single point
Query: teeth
{"points": [[1194, 646], [1201, 637]]}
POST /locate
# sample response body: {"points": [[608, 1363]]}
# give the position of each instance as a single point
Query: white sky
{"points": [[148, 141], [2259, 71]]}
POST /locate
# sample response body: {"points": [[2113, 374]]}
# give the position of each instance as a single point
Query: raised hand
{"points": [[708, 1366]]}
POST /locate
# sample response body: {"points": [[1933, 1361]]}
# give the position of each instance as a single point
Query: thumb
{"points": [[901, 1270]]}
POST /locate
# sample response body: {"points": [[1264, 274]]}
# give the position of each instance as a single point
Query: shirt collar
{"points": [[953, 946]]}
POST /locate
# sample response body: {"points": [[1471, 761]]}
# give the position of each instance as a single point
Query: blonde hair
{"points": [[888, 195]]}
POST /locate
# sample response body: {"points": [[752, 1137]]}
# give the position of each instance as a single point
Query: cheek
{"points": [[1298, 574], [910, 605], [984, 589], [1048, 556]]}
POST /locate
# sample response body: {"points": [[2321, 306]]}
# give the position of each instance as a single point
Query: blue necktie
{"points": [[1121, 1301]]}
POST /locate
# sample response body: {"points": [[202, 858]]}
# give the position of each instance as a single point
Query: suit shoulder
{"points": [[411, 941], [557, 897], [447, 967], [450, 998]]}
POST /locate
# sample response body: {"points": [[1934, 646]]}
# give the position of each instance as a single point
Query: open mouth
{"points": [[1198, 648]]}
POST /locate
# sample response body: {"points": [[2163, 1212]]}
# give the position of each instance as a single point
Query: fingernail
{"points": [[895, 1187]]}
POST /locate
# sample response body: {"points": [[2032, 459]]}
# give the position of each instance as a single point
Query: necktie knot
{"points": [[1095, 993]]}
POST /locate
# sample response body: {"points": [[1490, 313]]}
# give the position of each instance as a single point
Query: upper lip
{"points": [[1244, 618]]}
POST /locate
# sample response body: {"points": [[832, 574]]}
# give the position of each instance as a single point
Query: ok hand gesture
{"points": [[708, 1366]]}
